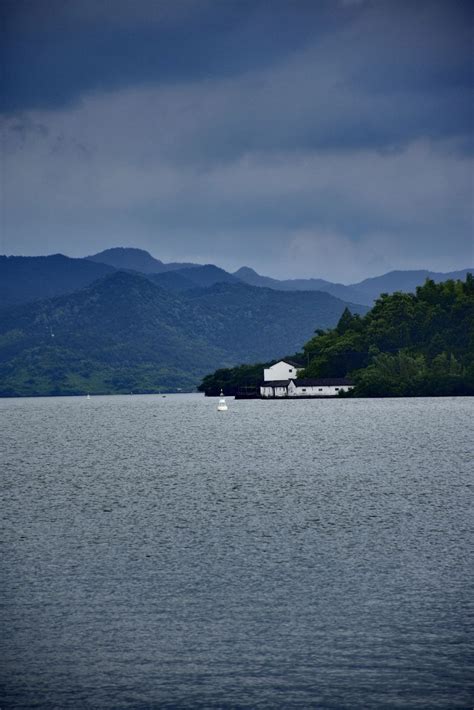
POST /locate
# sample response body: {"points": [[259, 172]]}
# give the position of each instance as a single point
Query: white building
{"points": [[323, 387], [308, 387], [282, 370]]}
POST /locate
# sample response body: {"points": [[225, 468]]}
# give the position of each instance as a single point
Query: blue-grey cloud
{"points": [[328, 139]]}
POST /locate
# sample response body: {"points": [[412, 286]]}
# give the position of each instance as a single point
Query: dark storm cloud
{"points": [[55, 51], [326, 138], [412, 59]]}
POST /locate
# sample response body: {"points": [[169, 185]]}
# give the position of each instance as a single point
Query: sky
{"points": [[303, 138]]}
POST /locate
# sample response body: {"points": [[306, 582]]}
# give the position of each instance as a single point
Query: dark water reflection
{"points": [[158, 554]]}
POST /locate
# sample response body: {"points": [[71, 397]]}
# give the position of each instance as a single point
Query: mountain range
{"points": [[24, 279], [364, 292], [122, 321]]}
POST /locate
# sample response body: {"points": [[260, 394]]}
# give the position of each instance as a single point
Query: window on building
{"points": [[320, 389], [337, 389], [303, 389]]}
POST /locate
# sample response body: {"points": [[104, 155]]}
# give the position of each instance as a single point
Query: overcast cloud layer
{"points": [[328, 139]]}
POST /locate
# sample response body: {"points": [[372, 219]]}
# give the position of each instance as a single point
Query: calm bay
{"points": [[282, 554]]}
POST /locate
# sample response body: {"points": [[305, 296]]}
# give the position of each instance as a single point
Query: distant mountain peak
{"points": [[129, 258], [123, 251], [135, 259], [245, 270]]}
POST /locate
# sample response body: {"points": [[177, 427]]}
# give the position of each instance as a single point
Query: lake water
{"points": [[159, 554]]}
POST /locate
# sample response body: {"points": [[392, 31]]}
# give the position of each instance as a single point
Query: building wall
{"points": [[321, 391], [280, 371], [293, 391], [273, 391]]}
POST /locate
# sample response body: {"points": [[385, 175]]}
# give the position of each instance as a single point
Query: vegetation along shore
{"points": [[408, 344]]}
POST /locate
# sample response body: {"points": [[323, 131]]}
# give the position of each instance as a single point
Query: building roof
{"points": [[275, 383], [323, 382], [293, 363]]}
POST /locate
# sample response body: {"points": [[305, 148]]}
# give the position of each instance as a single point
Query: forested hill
{"points": [[407, 345], [124, 333]]}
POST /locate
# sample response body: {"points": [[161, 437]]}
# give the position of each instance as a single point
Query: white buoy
{"points": [[88, 396], [222, 406]]}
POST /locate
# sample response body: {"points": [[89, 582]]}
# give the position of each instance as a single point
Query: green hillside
{"points": [[118, 335], [125, 333]]}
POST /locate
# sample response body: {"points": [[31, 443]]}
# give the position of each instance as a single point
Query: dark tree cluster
{"points": [[407, 345]]}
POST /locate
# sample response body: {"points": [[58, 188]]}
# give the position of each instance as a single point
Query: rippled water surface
{"points": [[159, 554]]}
